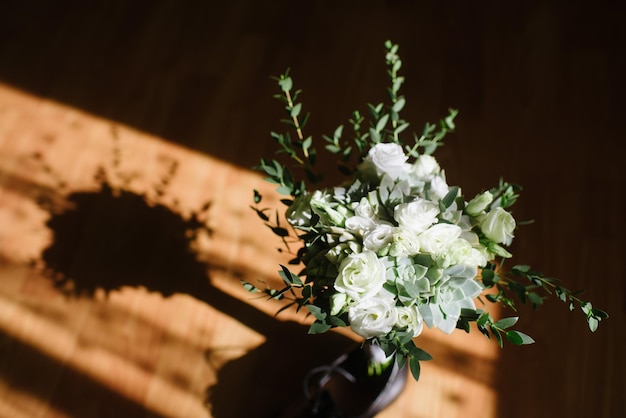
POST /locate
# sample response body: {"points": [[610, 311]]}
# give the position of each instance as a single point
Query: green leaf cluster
{"points": [[523, 284]]}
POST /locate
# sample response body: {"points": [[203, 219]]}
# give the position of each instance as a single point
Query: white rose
{"points": [[425, 167], [436, 239], [387, 158], [498, 225], [374, 316], [361, 275], [378, 237], [409, 317], [417, 215], [461, 252], [404, 243]]}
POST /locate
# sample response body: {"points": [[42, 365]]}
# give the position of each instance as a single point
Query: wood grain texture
{"points": [[127, 130]]}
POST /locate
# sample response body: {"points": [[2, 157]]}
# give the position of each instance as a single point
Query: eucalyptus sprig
{"points": [[527, 285]]}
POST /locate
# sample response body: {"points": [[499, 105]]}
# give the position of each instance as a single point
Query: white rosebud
{"points": [[417, 215], [360, 276], [374, 316], [387, 158], [338, 302], [479, 203], [329, 211], [498, 225]]}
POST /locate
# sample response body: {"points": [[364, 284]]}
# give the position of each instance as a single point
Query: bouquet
{"points": [[395, 247]]}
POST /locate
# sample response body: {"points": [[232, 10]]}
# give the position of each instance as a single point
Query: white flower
{"points": [[498, 225], [409, 317], [438, 187], [361, 275], [378, 237], [359, 225], [479, 203], [338, 252], [387, 158], [374, 316], [404, 243], [425, 167], [417, 215], [338, 302], [461, 251], [436, 239], [364, 209]]}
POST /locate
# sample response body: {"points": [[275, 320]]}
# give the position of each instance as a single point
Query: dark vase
{"points": [[358, 384]]}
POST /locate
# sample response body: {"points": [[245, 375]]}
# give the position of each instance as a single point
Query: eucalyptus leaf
{"points": [[519, 338]]}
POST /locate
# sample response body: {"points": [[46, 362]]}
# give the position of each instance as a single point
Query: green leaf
{"points": [[285, 83], [598, 313], [497, 335], [449, 198], [317, 312], [506, 322], [295, 110], [535, 299], [414, 366], [399, 104], [519, 338], [288, 277], [318, 327], [380, 125], [418, 353], [306, 144]]}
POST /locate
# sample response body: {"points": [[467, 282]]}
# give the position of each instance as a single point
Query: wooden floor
{"points": [[127, 133]]}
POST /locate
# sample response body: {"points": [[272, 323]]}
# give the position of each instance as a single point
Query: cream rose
{"points": [[361, 275], [498, 225], [374, 316], [436, 239], [378, 237], [387, 158], [417, 215], [425, 167]]}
